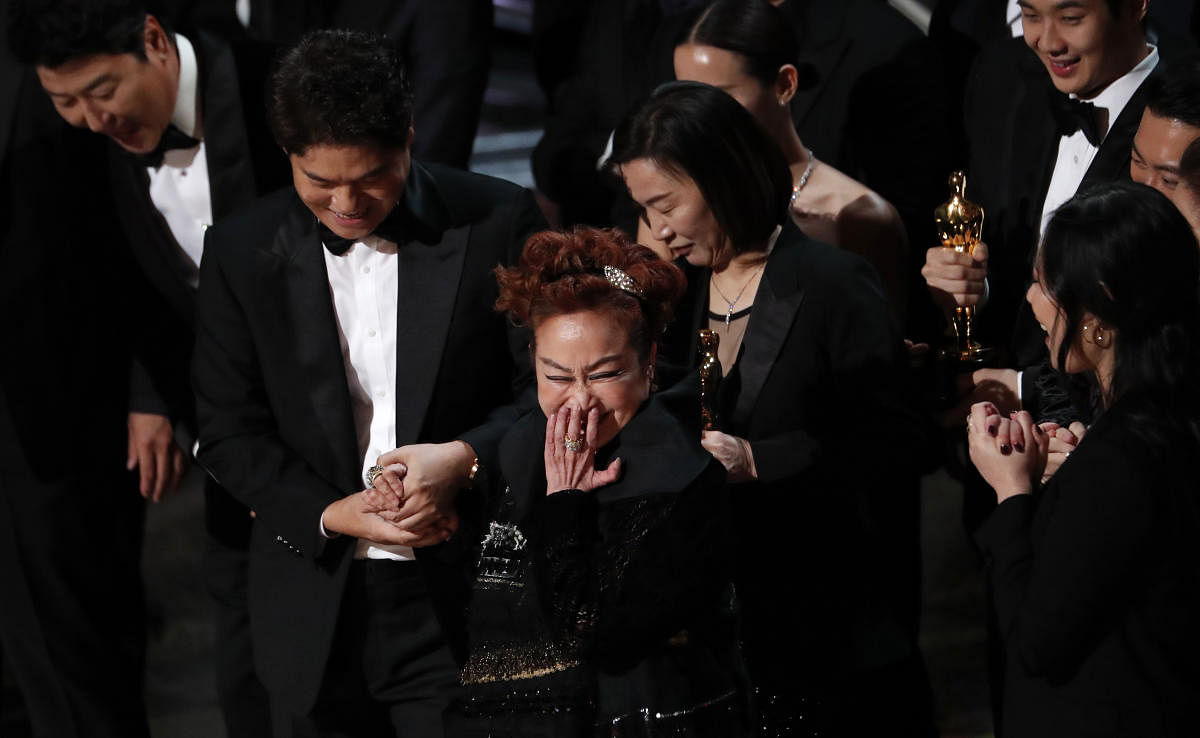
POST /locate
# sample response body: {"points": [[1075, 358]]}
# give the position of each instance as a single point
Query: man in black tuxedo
{"points": [[335, 323], [190, 144], [1071, 94], [71, 623]]}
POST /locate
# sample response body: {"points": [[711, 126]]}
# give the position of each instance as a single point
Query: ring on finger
{"points": [[573, 444], [373, 474]]}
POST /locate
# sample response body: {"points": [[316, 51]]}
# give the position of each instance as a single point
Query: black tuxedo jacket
{"points": [[67, 285], [276, 424], [820, 392], [243, 163], [1013, 158]]}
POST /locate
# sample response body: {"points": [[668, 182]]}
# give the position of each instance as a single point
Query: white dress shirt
{"points": [[179, 187], [1075, 152], [364, 285], [1012, 15]]}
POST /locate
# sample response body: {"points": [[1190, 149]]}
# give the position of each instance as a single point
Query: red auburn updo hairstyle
{"points": [[563, 272]]}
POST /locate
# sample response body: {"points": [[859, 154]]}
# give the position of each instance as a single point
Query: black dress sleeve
{"points": [[622, 577], [1064, 577]]}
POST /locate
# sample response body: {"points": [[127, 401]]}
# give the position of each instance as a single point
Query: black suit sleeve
{"points": [[1056, 599], [239, 441], [485, 438]]}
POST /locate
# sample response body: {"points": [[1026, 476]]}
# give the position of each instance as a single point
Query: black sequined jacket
{"points": [[591, 608]]}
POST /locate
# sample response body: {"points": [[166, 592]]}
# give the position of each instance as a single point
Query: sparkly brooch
{"points": [[500, 562]]}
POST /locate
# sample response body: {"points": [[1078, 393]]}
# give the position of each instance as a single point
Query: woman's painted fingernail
{"points": [[1005, 449], [1019, 446], [992, 430]]}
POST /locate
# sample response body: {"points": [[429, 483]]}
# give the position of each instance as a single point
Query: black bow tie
{"points": [[392, 229], [172, 138], [1076, 115]]}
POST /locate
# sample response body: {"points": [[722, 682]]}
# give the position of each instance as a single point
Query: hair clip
{"points": [[622, 281]]}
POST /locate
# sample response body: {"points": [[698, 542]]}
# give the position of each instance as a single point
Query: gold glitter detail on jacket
{"points": [[490, 663]]}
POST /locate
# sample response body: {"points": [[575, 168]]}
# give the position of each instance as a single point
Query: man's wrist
{"points": [[325, 532]]}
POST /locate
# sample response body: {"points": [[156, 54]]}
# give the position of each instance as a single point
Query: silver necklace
{"points": [[803, 177], [729, 312]]}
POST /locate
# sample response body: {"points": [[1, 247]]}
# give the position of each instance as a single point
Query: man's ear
{"points": [[1138, 8], [157, 44]]}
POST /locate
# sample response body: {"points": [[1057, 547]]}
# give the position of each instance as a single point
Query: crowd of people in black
{"points": [[457, 477]]}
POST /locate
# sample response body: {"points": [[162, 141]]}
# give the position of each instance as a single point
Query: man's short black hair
{"points": [[1173, 90], [49, 33], [340, 88]]}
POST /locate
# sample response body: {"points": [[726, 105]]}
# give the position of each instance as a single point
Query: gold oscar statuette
{"points": [[710, 377], [960, 226]]}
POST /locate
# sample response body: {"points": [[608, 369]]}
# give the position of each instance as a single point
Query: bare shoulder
{"points": [[869, 211]]}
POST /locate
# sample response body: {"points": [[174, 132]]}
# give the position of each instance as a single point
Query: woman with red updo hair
{"points": [[602, 600]]}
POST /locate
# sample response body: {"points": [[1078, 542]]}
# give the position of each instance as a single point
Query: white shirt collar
{"points": [[1116, 96], [186, 116], [1013, 16]]}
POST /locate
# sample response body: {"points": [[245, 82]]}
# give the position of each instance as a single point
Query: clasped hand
{"points": [[1008, 450], [412, 501]]}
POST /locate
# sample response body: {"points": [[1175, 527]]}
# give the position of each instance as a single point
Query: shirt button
{"points": [[1076, 158], [381, 392], [366, 270], [371, 333]]}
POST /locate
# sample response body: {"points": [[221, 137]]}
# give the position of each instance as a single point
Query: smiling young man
{"points": [[1169, 128], [337, 321], [1079, 73], [189, 145]]}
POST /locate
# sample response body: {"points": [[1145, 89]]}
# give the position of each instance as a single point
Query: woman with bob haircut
{"points": [[1096, 577], [602, 602], [814, 370], [748, 49]]}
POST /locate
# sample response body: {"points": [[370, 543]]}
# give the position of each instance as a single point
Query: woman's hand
{"points": [[734, 454], [1062, 442], [575, 469], [1009, 452], [366, 515]]}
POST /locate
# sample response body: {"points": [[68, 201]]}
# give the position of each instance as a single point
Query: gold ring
{"points": [[573, 444], [373, 474]]}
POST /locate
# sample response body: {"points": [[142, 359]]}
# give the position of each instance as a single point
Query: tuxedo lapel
{"points": [[230, 171], [430, 263], [775, 307], [305, 287], [1112, 159], [149, 235], [1034, 147]]}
